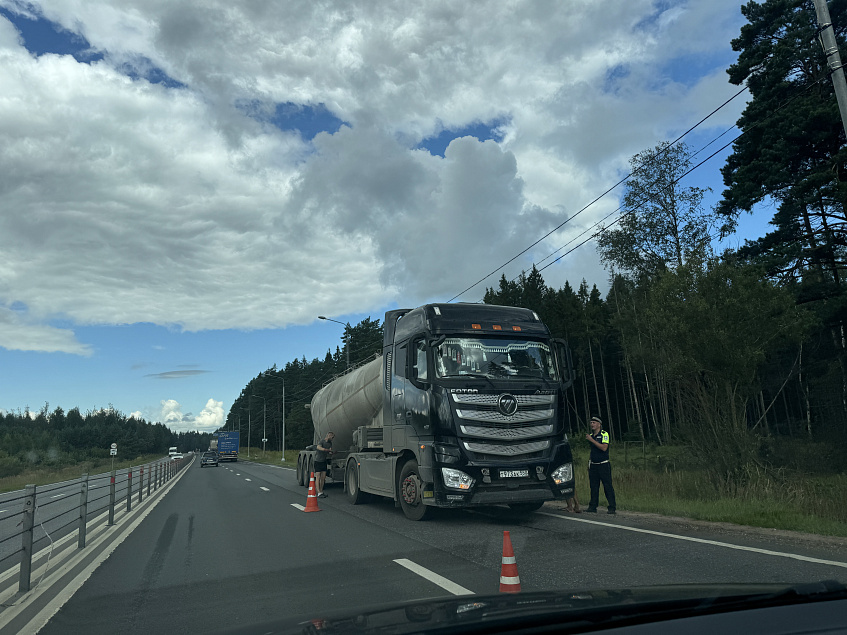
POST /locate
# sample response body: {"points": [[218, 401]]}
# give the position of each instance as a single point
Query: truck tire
{"points": [[409, 487], [300, 478], [351, 483]]}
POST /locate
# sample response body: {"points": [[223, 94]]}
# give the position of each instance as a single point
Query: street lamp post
{"points": [[282, 379], [264, 423], [346, 338]]}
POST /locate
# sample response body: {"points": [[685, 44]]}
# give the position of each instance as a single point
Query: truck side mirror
{"points": [[438, 341], [563, 355], [417, 381]]}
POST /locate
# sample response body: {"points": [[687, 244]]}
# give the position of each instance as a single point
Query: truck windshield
{"points": [[518, 359]]}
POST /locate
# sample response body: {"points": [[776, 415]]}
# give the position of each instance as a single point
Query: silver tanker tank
{"points": [[352, 400]]}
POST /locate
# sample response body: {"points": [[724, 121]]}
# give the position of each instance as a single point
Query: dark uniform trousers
{"points": [[601, 473]]}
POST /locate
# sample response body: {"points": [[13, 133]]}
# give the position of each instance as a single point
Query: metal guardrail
{"points": [[96, 494]]}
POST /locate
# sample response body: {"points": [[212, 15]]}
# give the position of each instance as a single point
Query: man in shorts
{"points": [[321, 456]]}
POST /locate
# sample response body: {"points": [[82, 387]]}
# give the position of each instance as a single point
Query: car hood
{"points": [[567, 611]]}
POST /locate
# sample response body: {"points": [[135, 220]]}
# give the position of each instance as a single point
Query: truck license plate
{"points": [[514, 473]]}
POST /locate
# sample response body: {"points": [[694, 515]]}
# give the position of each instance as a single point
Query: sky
{"points": [[186, 186]]}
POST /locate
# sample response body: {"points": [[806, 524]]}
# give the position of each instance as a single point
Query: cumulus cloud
{"points": [[17, 333], [208, 420], [180, 204]]}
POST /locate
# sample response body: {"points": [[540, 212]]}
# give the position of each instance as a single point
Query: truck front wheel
{"points": [[410, 488], [351, 476]]}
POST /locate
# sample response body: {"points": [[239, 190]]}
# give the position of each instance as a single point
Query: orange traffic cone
{"points": [[510, 582], [312, 497]]}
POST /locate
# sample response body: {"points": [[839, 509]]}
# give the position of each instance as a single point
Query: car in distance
{"points": [[209, 458], [175, 457]]}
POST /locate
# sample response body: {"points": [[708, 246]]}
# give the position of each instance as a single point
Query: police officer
{"points": [[599, 469]]}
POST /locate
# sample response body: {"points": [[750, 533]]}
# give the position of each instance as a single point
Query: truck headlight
{"points": [[563, 474], [456, 479]]}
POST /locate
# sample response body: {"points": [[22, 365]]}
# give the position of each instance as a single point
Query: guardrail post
{"points": [[129, 492], [149, 478], [140, 482], [83, 510], [26, 539], [112, 498]]}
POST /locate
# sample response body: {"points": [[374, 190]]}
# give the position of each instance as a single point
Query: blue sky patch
{"points": [[305, 119], [689, 69], [652, 20], [613, 77], [153, 74], [483, 131], [41, 36]]}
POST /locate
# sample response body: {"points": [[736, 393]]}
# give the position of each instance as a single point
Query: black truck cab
{"points": [[474, 396]]}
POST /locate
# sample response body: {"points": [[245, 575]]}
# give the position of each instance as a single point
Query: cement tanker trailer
{"points": [[464, 408]]}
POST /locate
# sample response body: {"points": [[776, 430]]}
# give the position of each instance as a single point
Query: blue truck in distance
{"points": [[228, 445]]}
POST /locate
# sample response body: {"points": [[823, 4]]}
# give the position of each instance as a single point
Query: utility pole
{"points": [[833, 58], [283, 419]]}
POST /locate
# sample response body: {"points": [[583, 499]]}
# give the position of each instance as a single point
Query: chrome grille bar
{"points": [[491, 400], [507, 450], [493, 416], [506, 433]]}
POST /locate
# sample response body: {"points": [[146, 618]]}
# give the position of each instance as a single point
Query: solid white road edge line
{"points": [[433, 577], [703, 541]]}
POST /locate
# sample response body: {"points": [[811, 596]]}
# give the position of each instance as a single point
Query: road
{"points": [[227, 547]]}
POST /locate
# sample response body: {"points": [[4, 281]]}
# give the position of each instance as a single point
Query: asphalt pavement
{"points": [[229, 547]]}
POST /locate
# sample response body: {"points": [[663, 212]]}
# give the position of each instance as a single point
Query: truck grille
{"points": [[493, 416], [491, 400], [507, 450], [507, 433]]}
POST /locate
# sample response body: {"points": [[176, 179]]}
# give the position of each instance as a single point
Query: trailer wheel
{"points": [[410, 488], [300, 478], [351, 477]]}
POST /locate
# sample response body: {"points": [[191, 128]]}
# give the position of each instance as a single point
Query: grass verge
{"points": [[797, 503], [270, 457], [50, 475]]}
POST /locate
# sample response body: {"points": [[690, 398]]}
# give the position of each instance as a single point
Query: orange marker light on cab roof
{"points": [[476, 326], [516, 328], [497, 327]]}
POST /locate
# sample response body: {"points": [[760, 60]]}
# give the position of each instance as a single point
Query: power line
{"points": [[633, 210], [569, 219]]}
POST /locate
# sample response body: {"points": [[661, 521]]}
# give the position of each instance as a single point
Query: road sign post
{"points": [[112, 495]]}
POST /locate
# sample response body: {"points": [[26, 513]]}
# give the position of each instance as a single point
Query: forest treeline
{"points": [[30, 440], [741, 355]]}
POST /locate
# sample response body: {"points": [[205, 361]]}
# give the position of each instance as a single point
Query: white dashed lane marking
{"points": [[444, 583]]}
